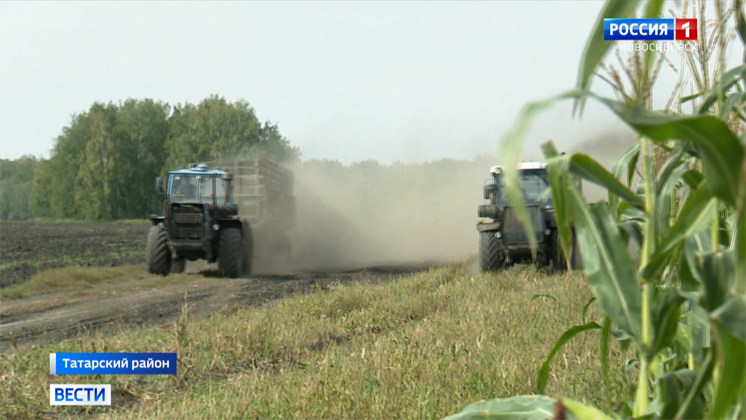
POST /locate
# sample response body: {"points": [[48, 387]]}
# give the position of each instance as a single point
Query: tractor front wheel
{"points": [[230, 253], [490, 254], [157, 255]]}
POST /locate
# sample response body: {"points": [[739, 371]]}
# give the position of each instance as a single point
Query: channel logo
{"points": [[650, 29], [79, 394], [112, 363]]}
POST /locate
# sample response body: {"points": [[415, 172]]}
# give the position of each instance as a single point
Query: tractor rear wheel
{"points": [[230, 252], [490, 254], [157, 255]]}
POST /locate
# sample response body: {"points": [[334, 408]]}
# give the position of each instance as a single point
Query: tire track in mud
{"points": [[49, 319]]}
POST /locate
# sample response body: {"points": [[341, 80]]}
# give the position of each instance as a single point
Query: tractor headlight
{"points": [[215, 227], [548, 232], [160, 224], [498, 235]]}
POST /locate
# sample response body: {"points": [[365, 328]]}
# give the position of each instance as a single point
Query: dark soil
{"points": [[27, 248]]}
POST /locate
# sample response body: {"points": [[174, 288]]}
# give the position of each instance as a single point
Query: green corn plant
{"points": [[682, 302]]}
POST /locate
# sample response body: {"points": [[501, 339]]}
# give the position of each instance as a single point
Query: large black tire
{"points": [[157, 255], [178, 266], [490, 254], [557, 258], [230, 252]]}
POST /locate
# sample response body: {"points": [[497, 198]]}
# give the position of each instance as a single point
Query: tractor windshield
{"points": [[534, 185], [190, 188], [195, 188]]}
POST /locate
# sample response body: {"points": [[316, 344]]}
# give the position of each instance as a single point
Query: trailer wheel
{"points": [[157, 256], [230, 252], [490, 255]]}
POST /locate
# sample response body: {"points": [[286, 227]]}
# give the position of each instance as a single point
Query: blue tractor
{"points": [[502, 239], [200, 221]]}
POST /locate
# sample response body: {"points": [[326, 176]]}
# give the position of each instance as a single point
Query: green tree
{"points": [[41, 190], [15, 187], [218, 129], [66, 159], [140, 130], [104, 162], [94, 192]]}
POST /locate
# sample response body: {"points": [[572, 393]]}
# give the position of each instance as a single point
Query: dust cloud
{"points": [[368, 214], [371, 214]]}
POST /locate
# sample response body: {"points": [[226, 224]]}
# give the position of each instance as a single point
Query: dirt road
{"points": [[52, 317]]}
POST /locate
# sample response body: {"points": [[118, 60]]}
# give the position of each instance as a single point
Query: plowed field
{"points": [[27, 248]]}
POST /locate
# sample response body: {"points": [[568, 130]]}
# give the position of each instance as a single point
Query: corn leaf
{"points": [[693, 178], [585, 167], [596, 47], [627, 160], [583, 412], [716, 271], [730, 78], [662, 212], [739, 231], [729, 323], [720, 149], [693, 217], [538, 407], [542, 376], [558, 171], [607, 265], [665, 318], [733, 99], [604, 349], [691, 408]]}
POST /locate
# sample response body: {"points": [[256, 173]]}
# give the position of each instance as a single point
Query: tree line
{"points": [[104, 161]]}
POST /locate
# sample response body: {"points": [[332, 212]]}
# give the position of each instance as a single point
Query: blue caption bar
{"points": [[112, 363], [639, 29]]}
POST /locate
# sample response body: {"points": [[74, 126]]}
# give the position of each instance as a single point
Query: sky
{"points": [[391, 81]]}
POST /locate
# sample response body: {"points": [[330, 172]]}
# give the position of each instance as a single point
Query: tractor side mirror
{"points": [[159, 186]]}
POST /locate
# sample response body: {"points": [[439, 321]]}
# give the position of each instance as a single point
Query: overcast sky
{"points": [[406, 81]]}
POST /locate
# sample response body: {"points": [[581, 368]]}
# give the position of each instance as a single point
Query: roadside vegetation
{"points": [[77, 279], [414, 348]]}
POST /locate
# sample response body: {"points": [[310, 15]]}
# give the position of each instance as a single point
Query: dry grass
{"points": [[73, 278], [421, 347]]}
